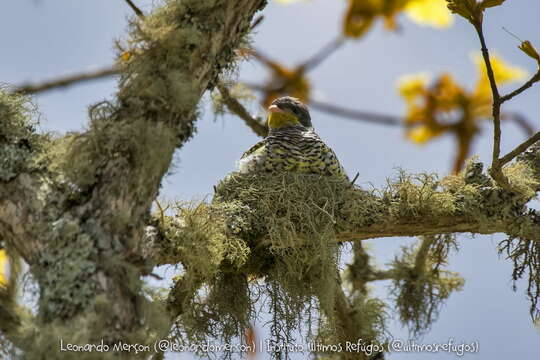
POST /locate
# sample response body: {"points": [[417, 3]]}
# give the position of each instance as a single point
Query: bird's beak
{"points": [[274, 109]]}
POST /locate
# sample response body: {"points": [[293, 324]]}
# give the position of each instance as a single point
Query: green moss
{"points": [[420, 285], [67, 271], [141, 145], [289, 224], [416, 195], [223, 244], [368, 315], [298, 215], [531, 157], [45, 340], [525, 256], [281, 229], [522, 178]]}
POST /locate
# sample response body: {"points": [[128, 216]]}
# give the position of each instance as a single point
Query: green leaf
{"points": [[489, 3], [464, 8], [529, 49]]}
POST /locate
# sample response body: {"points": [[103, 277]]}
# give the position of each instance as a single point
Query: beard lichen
{"points": [[420, 285], [276, 234], [271, 235]]}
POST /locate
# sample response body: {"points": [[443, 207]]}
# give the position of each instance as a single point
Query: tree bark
{"points": [[75, 208]]}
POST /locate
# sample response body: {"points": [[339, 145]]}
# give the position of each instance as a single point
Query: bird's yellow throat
{"points": [[280, 119]]}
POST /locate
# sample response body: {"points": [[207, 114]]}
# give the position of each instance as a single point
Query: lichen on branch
{"points": [[75, 207], [283, 231]]}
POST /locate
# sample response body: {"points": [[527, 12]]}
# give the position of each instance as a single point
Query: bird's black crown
{"points": [[295, 106]]}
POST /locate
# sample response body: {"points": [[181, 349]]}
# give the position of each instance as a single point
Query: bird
{"points": [[292, 145]]}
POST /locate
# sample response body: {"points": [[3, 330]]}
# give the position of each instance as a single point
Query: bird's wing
{"points": [[254, 148], [333, 166]]}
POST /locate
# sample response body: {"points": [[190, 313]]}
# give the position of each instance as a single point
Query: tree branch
{"points": [[497, 162], [65, 81], [495, 94], [464, 203], [353, 114], [135, 8], [323, 54], [237, 108], [521, 121], [250, 216], [520, 149], [365, 116], [85, 198], [528, 84]]}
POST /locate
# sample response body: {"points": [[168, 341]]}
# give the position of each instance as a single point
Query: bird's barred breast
{"points": [[294, 151]]}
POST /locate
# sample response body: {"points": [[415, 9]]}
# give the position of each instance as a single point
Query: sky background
{"points": [[42, 39]]}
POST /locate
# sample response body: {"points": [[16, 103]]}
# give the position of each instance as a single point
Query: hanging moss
{"points": [[421, 285], [369, 316], [297, 257], [281, 229]]}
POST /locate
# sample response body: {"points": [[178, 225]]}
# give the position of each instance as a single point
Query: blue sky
{"points": [[46, 38]]}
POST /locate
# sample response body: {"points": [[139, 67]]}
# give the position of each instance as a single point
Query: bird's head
{"points": [[288, 111]]}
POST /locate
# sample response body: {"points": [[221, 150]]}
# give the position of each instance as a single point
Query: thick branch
{"points": [[413, 206], [86, 198], [421, 226]]}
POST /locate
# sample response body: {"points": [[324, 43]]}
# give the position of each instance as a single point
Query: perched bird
{"points": [[291, 145]]}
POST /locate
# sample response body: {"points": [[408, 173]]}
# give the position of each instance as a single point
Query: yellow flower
{"points": [[3, 268], [504, 73], [359, 17], [530, 50], [422, 134], [412, 86], [429, 12], [126, 55], [443, 106]]}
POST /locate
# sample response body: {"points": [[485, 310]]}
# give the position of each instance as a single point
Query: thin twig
{"points": [[237, 108], [365, 116], [256, 22], [262, 58], [496, 168], [519, 149], [498, 162], [525, 86], [66, 81], [381, 119], [495, 94], [313, 61], [521, 121], [355, 178], [135, 9], [382, 275], [161, 212], [323, 54]]}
